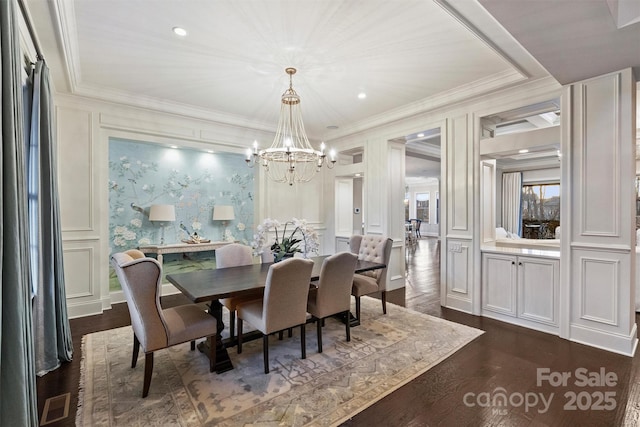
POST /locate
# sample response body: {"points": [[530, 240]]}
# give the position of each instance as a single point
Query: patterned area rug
{"points": [[385, 352]]}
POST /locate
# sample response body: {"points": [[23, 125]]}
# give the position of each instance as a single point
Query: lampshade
{"points": [[162, 213], [223, 213]]}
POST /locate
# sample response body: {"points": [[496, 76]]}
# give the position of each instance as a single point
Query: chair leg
{"points": [[280, 335], [319, 329], [290, 332], [239, 335], [232, 324], [358, 308], [136, 349], [212, 353], [265, 352], [303, 341], [347, 325], [193, 345], [384, 302], [148, 370]]}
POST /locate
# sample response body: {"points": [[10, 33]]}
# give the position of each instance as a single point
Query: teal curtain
{"points": [[53, 342], [18, 395]]}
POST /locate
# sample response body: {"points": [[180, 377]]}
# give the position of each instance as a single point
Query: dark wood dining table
{"points": [[211, 285]]}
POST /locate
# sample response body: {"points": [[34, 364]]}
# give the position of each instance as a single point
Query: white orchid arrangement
{"points": [[286, 243]]}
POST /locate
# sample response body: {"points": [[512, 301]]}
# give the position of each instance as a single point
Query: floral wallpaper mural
{"points": [[143, 174]]}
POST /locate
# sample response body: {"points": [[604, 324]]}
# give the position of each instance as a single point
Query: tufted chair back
{"points": [[376, 248], [140, 279]]}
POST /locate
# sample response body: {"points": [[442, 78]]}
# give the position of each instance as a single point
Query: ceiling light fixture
{"points": [[362, 95], [523, 151], [179, 31], [291, 158]]}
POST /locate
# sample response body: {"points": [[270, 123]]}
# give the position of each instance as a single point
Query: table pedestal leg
{"points": [[353, 320], [223, 363]]}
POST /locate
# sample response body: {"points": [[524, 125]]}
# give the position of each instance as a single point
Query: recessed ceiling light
{"points": [[420, 135], [358, 174], [332, 127], [524, 150], [173, 146], [362, 95], [179, 31], [210, 151]]}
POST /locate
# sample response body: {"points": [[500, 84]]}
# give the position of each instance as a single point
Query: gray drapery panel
{"points": [[18, 394], [512, 202], [53, 342]]}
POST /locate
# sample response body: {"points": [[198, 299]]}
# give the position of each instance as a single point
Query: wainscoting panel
{"points": [[599, 196], [77, 172], [597, 297], [81, 277], [602, 226], [458, 154], [459, 274]]}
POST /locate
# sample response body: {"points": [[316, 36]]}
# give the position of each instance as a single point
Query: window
{"points": [[540, 210], [422, 207]]}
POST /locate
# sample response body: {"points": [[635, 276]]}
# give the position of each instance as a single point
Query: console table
{"points": [[180, 248]]}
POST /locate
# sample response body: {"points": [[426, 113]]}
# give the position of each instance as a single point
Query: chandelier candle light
{"points": [[291, 158]]}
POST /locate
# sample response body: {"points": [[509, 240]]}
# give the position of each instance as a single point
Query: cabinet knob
{"points": [[519, 263], [513, 263]]}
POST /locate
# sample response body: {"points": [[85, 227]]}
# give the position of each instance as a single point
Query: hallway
{"points": [[422, 291]]}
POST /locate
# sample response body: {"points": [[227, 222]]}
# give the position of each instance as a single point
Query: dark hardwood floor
{"points": [[466, 388]]}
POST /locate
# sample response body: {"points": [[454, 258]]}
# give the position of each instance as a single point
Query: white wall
{"points": [[83, 131]]}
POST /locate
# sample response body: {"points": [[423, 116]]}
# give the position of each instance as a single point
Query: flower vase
{"points": [[279, 256]]}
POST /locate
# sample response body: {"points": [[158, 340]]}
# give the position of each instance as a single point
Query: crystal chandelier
{"points": [[290, 158]]}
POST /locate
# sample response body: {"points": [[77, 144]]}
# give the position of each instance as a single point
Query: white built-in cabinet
{"points": [[521, 289]]}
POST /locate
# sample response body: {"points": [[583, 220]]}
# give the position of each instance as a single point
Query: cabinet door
{"points": [[538, 280], [499, 283]]}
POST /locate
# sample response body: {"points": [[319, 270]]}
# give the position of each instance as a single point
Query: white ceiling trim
{"points": [[479, 87], [65, 25], [481, 36], [67, 32]]}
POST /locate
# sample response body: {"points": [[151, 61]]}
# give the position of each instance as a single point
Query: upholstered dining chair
{"points": [[333, 294], [235, 255], [155, 328], [283, 306], [376, 248]]}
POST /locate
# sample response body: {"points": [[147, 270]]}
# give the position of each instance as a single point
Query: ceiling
{"points": [[408, 56]]}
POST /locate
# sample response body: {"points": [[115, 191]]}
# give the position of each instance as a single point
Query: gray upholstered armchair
{"points": [[333, 295], [375, 248], [283, 306], [156, 328], [235, 255]]}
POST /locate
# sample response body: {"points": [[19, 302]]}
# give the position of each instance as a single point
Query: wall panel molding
{"points": [[458, 160], [79, 272], [600, 195], [75, 140], [600, 283]]}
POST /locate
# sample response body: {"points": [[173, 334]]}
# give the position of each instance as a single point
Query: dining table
{"points": [[211, 285]]}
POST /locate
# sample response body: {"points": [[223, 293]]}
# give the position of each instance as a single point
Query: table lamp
{"points": [[223, 213], [162, 213]]}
